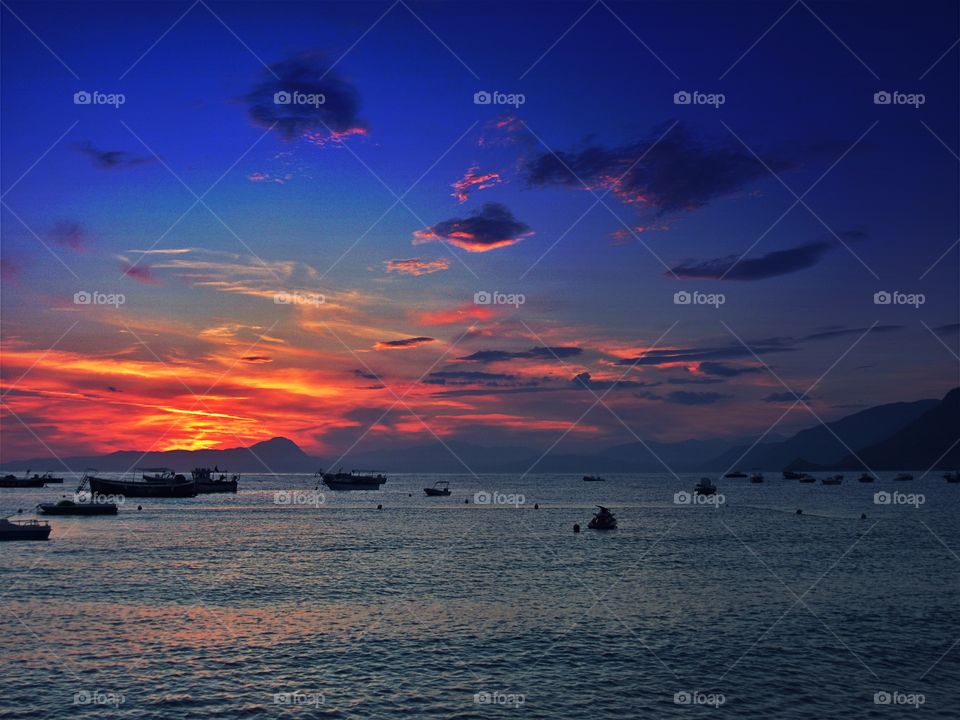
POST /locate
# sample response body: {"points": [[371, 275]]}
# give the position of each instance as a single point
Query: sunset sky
{"points": [[310, 271]]}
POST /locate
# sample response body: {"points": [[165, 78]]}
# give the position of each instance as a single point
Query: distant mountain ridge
{"points": [[897, 436]]}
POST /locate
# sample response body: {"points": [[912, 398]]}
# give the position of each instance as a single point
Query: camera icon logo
{"points": [[482, 298], [882, 498], [882, 698], [882, 298], [682, 98], [681, 498], [882, 98], [82, 97], [682, 298], [282, 299], [482, 498], [682, 698], [282, 97], [82, 298], [482, 97]]}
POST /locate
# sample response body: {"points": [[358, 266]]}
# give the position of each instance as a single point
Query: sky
{"points": [[473, 222]]}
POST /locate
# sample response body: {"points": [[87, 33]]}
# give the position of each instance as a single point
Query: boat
{"points": [[157, 474], [354, 480], [904, 476], [46, 478], [593, 478], [807, 478], [791, 475], [735, 474], [757, 477], [953, 477], [78, 507], [24, 529], [12, 481], [866, 478], [177, 486], [213, 481], [603, 520], [832, 480], [705, 487], [440, 488]]}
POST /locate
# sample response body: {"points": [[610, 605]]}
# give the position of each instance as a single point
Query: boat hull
{"points": [[77, 509], [24, 531], [134, 489], [352, 484], [21, 483], [216, 486], [431, 492]]}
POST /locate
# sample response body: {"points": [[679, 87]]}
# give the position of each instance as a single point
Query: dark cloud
{"points": [[466, 377], [491, 227], [840, 331], [729, 352], [542, 353], [784, 397], [111, 388], [778, 262], [584, 380], [951, 329], [140, 273], [681, 397], [113, 159], [365, 375], [680, 172], [307, 75], [722, 370], [694, 381], [70, 234], [256, 359], [401, 344]]}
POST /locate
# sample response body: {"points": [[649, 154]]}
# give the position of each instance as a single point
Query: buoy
{"points": [[799, 512], [576, 527], [409, 494], [379, 507], [863, 516], [466, 501], [536, 506], [139, 507]]}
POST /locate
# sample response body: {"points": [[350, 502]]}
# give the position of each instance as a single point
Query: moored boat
{"points": [[441, 488], [735, 474], [705, 487], [12, 481], [866, 478], [953, 477], [24, 529], [593, 478], [901, 477], [603, 520], [807, 478], [832, 480], [757, 477], [213, 481], [78, 507], [791, 475], [354, 480], [176, 487]]}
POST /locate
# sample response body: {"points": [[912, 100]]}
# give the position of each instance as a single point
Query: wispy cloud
{"points": [[473, 180], [403, 344], [773, 264], [416, 266]]}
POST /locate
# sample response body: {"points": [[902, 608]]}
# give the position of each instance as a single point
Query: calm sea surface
{"points": [[281, 602]]}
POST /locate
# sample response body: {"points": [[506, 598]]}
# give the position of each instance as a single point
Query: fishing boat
{"points": [[705, 487], [832, 480], [214, 481], [12, 481], [593, 478], [953, 477], [157, 474], [354, 480], [176, 487], [866, 478], [603, 520], [791, 475], [735, 474], [903, 477], [807, 478], [47, 478], [24, 529], [757, 477], [77, 507], [441, 488]]}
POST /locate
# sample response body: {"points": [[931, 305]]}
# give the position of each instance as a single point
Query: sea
{"points": [[773, 600]]}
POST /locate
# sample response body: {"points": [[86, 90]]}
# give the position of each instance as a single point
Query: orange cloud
{"points": [[416, 266], [473, 179]]}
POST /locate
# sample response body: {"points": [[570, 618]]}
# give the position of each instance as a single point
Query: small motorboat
{"points": [[953, 477], [735, 474], [903, 477], [78, 507], [441, 488], [24, 529], [158, 475], [757, 477], [593, 478], [355, 480], [806, 478], [705, 487], [791, 475], [209, 481], [866, 478], [12, 481], [832, 480], [603, 520]]}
